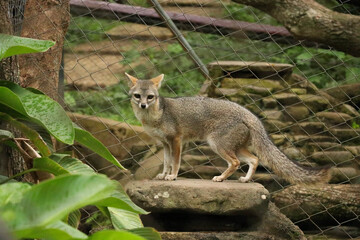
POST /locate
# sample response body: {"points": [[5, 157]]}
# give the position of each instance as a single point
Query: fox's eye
{"points": [[150, 97], [137, 95]]}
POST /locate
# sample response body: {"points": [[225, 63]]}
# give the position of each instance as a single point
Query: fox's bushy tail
{"points": [[285, 168]]}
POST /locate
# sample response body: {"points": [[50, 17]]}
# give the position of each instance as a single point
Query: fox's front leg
{"points": [[167, 163], [175, 151]]}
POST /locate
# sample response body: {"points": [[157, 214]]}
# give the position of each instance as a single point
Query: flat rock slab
{"points": [[199, 196], [213, 235]]}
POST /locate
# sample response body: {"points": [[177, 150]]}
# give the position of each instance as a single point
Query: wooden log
{"points": [[184, 21], [320, 205]]}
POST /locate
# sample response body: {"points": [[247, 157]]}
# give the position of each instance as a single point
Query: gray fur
{"points": [[228, 128]]}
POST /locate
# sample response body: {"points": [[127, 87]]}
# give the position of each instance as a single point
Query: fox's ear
{"points": [[132, 80], [157, 80]]}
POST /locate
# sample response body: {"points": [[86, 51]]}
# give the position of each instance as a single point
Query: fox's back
{"points": [[201, 115]]}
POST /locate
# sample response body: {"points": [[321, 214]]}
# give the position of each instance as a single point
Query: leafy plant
{"points": [[50, 209]]}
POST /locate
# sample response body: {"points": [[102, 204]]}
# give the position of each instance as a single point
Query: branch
{"points": [[307, 19]]}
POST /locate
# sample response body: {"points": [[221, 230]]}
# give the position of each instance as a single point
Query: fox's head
{"points": [[144, 93]]}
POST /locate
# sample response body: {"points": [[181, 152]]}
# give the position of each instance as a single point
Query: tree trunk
{"points": [[322, 205], [11, 161], [307, 19], [46, 20]]}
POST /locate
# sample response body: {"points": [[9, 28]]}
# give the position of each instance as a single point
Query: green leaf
{"points": [[12, 192], [73, 165], [115, 235], [54, 231], [53, 199], [38, 108], [74, 218], [29, 133], [13, 45], [85, 138], [119, 199], [47, 165], [59, 164], [123, 219], [147, 233]]}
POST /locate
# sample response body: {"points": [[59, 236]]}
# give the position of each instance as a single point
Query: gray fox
{"points": [[227, 127]]}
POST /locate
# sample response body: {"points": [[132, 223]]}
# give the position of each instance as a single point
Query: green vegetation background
{"points": [[325, 68]]}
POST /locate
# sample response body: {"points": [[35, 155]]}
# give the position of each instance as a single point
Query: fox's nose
{"points": [[143, 106]]}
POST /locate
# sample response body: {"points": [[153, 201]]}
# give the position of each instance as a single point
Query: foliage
{"points": [[245, 13], [88, 29], [50, 209], [11, 45]]}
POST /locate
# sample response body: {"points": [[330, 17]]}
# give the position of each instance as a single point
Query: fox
{"points": [[229, 129]]}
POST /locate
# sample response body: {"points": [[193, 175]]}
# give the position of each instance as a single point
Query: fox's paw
{"points": [[218, 179], [243, 179], [160, 176], [170, 177]]}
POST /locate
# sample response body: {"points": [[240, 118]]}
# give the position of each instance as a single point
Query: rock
{"points": [[262, 91], [269, 102], [298, 91], [193, 149], [355, 150], [199, 196], [278, 139], [324, 146], [301, 140], [309, 128], [345, 174], [273, 126], [197, 160], [346, 108], [293, 153], [118, 137], [346, 93], [324, 203], [334, 118], [271, 85], [150, 166], [314, 102], [229, 92], [298, 81], [296, 113], [286, 98], [348, 136], [214, 236], [272, 115], [253, 69], [332, 157]]}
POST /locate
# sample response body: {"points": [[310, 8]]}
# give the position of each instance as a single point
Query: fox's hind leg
{"points": [[229, 156], [244, 155]]}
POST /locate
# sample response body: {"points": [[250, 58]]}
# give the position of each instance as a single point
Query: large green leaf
{"points": [[29, 133], [147, 233], [85, 138], [13, 45], [123, 219], [53, 199], [73, 165], [12, 192], [115, 235], [38, 108], [119, 199], [47, 165], [54, 231]]}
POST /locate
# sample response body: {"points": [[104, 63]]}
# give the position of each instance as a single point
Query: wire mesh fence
{"points": [[306, 94]]}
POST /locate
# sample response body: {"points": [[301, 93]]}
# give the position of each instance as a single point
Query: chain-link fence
{"points": [[306, 94]]}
